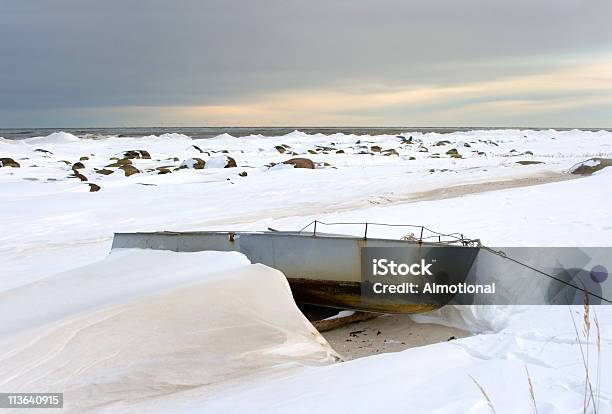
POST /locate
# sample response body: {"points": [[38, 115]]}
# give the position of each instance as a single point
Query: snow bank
{"points": [[475, 319], [141, 324], [166, 137], [224, 136], [297, 134], [10, 141], [54, 138], [175, 136], [438, 378]]}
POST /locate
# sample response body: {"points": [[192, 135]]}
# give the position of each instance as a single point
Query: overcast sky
{"points": [[317, 62]]}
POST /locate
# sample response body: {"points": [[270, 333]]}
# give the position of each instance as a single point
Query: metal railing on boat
{"points": [[425, 234]]}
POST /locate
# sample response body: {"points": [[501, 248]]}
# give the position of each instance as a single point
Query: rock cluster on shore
{"points": [[63, 156]]}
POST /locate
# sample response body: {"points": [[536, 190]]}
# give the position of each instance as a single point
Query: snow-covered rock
{"points": [[590, 166], [222, 161], [195, 163]]}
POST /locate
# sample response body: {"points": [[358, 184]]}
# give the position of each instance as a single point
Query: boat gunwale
{"points": [[229, 233]]}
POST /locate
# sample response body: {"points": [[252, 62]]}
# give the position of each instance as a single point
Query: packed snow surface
{"points": [[210, 332]]}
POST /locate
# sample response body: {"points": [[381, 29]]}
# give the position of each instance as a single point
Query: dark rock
{"points": [[411, 158], [44, 151], [243, 174], [78, 166], [310, 151], [139, 154], [375, 148], [529, 162], [129, 169], [465, 144], [120, 163], [104, 171], [84, 158], [590, 166], [163, 170], [198, 148], [76, 174], [452, 152], [300, 163], [280, 149], [390, 151], [94, 188], [9, 162], [340, 152], [231, 163], [528, 153], [441, 143]]}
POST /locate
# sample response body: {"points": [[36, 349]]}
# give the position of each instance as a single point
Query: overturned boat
{"points": [[334, 270]]}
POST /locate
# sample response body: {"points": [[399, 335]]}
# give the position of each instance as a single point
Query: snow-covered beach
{"points": [[59, 285]]}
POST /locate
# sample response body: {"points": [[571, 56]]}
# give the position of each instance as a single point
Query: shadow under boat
{"points": [[326, 269]]}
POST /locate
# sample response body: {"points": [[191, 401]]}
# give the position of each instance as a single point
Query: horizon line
{"points": [[297, 127]]}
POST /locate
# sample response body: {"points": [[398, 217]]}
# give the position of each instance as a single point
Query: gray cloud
{"points": [[66, 54]]}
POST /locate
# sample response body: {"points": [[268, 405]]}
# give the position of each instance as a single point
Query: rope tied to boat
{"points": [[503, 255]]}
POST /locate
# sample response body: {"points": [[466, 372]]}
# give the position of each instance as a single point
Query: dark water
{"points": [[209, 132]]}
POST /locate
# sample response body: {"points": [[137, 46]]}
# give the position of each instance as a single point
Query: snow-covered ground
{"points": [[51, 224], [143, 323]]}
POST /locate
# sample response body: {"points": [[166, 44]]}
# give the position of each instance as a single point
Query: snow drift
{"points": [[54, 138], [142, 324]]}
